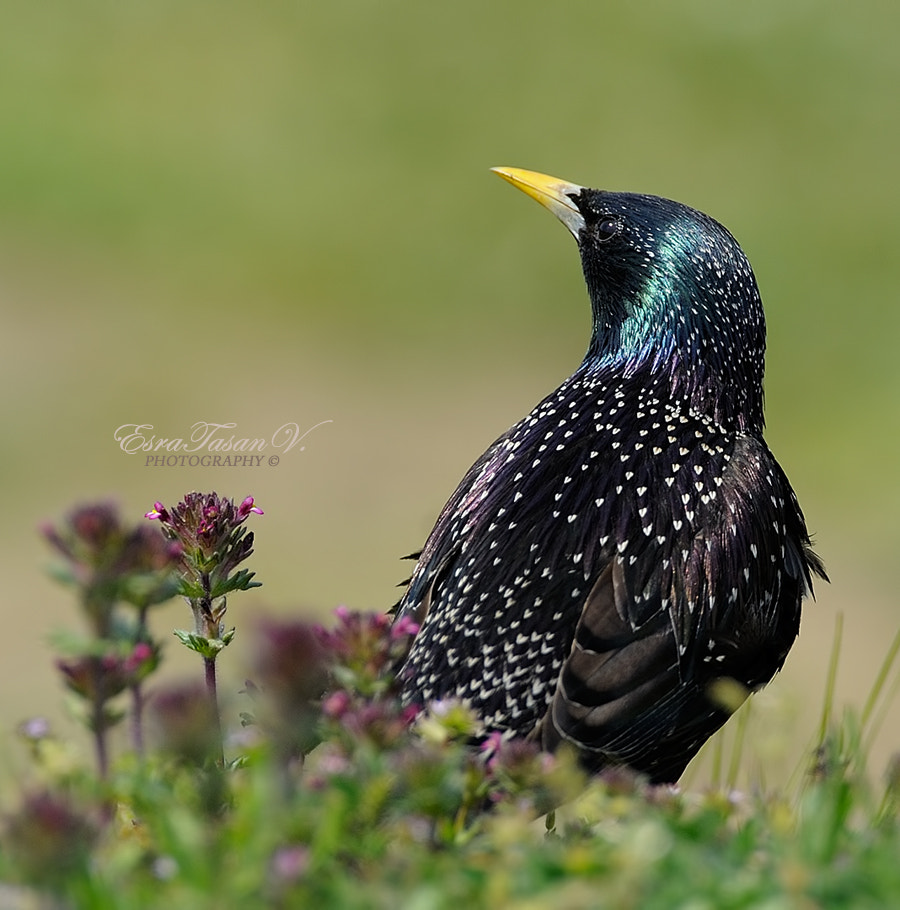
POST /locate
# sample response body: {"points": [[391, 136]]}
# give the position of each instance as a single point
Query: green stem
{"points": [[137, 720], [98, 721], [209, 665], [207, 626], [137, 694]]}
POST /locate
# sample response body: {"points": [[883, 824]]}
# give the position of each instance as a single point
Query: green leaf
{"points": [[192, 590], [150, 588], [241, 581], [206, 647], [62, 574]]}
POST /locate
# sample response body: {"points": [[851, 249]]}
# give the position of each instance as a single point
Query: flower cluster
{"points": [[213, 541], [110, 562], [209, 531], [327, 707], [365, 648], [424, 763], [120, 572], [50, 838], [102, 677], [90, 538], [183, 722], [290, 674]]}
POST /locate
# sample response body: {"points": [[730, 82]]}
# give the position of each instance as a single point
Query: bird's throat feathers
{"points": [[679, 302]]}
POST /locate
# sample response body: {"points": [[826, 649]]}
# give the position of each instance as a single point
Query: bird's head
{"points": [[673, 295]]}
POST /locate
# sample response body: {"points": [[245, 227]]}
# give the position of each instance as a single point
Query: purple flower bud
{"points": [[140, 658], [290, 662], [410, 714], [158, 511], [208, 526], [89, 537], [383, 723], [100, 678], [34, 729], [292, 674], [336, 705], [112, 562], [290, 863], [491, 745], [404, 626], [246, 507], [49, 837], [183, 722]]}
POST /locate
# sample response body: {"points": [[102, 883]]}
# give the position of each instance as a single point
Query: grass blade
{"points": [[734, 765], [831, 679], [880, 680]]}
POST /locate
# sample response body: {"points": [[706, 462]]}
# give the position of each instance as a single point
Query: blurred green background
{"points": [[282, 211]]}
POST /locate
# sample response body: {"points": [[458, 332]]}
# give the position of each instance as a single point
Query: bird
{"points": [[631, 544]]}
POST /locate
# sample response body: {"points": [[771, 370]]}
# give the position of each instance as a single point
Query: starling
{"points": [[632, 542]]}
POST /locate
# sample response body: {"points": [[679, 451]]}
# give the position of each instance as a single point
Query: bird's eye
{"points": [[607, 228]]}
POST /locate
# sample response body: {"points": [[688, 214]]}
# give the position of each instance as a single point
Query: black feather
{"points": [[632, 540]]}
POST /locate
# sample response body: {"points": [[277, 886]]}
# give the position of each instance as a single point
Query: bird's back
{"points": [[603, 563]]}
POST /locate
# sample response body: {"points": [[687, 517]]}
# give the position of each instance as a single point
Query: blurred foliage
{"points": [[282, 211], [334, 156], [397, 809]]}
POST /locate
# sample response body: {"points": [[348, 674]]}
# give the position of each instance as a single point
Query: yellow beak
{"points": [[551, 192]]}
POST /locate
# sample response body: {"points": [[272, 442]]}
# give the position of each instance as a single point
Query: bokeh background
{"points": [[282, 211]]}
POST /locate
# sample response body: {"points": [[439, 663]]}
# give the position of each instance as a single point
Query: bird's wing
{"points": [[663, 623], [444, 544]]}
